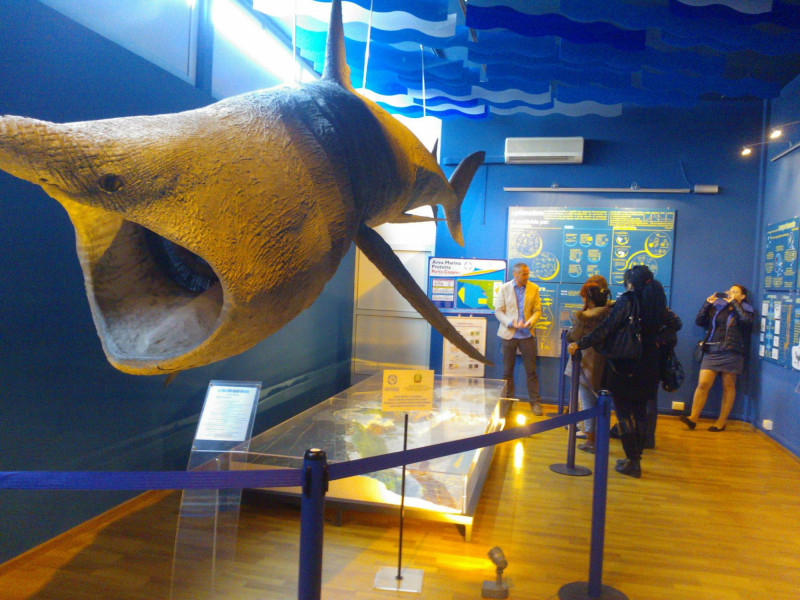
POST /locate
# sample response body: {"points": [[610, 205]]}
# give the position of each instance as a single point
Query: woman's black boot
{"points": [[629, 467]]}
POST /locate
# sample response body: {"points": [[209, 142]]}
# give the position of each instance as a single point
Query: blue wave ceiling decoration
{"points": [[567, 57]]}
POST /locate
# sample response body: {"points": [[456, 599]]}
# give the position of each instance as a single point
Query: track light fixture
{"points": [[775, 135]]}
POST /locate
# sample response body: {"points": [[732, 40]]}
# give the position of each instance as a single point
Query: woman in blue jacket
{"points": [[728, 320]]}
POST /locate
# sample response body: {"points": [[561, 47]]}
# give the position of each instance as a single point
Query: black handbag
{"points": [[626, 341], [698, 351], [670, 371]]}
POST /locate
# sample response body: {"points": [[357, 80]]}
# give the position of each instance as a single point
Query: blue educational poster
{"points": [[585, 252], [780, 255], [540, 249], [567, 246], [794, 333], [465, 285], [776, 328], [548, 332], [569, 301]]}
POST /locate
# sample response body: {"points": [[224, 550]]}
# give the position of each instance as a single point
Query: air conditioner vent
{"points": [[544, 150]]}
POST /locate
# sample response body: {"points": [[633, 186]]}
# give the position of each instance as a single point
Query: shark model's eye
{"points": [[110, 183]]}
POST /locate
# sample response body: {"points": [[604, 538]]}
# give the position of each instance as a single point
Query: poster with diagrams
{"points": [[793, 360], [777, 328], [465, 285], [454, 361], [780, 256], [563, 247]]}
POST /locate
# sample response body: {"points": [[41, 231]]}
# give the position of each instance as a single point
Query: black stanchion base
{"points": [[576, 471], [579, 590]]}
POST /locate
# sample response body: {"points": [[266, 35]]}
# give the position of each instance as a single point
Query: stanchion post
{"points": [[569, 467], [599, 493], [573, 407], [594, 589], [562, 367], [312, 514]]}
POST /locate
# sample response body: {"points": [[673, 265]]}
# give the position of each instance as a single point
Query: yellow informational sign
{"points": [[406, 390]]}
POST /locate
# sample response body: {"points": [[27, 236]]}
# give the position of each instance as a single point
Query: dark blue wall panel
{"points": [[779, 397], [62, 406], [656, 148]]}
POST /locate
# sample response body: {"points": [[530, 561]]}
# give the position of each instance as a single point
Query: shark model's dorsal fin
{"points": [[459, 181], [336, 68], [383, 257]]}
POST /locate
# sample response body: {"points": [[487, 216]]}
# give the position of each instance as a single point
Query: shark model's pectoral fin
{"points": [[383, 257], [409, 218], [460, 181]]}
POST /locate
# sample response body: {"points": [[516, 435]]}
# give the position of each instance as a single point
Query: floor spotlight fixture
{"points": [[497, 588]]}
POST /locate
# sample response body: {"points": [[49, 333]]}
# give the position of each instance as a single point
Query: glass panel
{"points": [[208, 519], [351, 425]]}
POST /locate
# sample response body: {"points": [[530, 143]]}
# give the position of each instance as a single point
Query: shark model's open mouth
{"points": [[154, 300]]}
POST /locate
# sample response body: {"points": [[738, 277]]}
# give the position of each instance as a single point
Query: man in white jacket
{"points": [[518, 308]]}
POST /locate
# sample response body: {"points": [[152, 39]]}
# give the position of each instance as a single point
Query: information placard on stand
{"points": [[209, 519]]}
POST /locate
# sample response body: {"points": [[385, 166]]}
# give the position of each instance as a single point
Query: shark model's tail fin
{"points": [[460, 181]]}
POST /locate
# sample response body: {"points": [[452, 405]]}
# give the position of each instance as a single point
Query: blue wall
{"points": [[715, 234], [779, 388], [62, 406]]}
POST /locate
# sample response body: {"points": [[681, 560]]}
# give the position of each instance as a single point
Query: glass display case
{"points": [[351, 425]]}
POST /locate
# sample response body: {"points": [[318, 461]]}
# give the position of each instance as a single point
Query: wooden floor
{"points": [[714, 516]]}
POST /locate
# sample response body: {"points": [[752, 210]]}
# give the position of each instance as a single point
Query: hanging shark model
{"points": [[200, 233]]}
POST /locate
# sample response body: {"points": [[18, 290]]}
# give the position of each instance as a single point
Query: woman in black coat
{"points": [[632, 382]]}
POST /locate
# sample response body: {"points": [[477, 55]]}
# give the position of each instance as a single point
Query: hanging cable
{"points": [[424, 100], [295, 65], [366, 50]]}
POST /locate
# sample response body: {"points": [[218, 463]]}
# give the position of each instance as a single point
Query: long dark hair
{"points": [[652, 299]]}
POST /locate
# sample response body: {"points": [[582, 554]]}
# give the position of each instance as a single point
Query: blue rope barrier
{"points": [[267, 478]]}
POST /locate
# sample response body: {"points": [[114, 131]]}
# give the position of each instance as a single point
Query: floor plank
{"points": [[710, 518]]}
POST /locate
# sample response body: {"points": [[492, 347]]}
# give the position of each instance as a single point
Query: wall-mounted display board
{"points": [[548, 332], [793, 333], [454, 361], [780, 255], [564, 245], [465, 285], [777, 328]]}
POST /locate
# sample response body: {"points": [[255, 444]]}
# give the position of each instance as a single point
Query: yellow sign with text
{"points": [[405, 390]]}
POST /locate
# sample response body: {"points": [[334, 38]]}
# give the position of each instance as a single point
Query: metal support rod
{"points": [[312, 513], [399, 576], [599, 493], [573, 407]]}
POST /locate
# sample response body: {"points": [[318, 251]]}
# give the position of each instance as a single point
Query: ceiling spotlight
{"points": [[747, 151], [497, 588], [775, 134]]}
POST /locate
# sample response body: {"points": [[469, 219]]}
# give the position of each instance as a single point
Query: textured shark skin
{"points": [[201, 233]]}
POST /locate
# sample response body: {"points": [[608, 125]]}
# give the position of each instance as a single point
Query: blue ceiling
{"points": [[571, 57]]}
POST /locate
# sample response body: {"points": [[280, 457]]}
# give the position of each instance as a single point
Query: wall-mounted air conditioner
{"points": [[544, 150]]}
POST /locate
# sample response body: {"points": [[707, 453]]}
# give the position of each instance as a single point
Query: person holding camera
{"points": [[728, 319]]}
